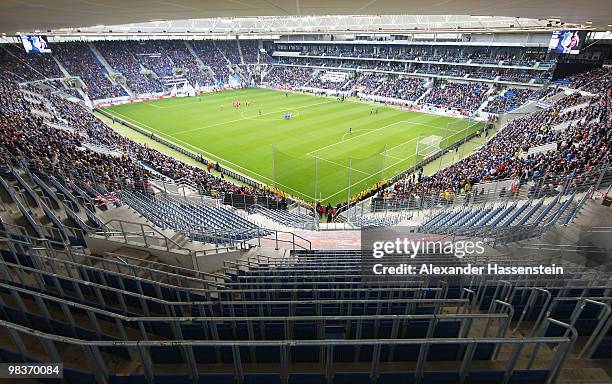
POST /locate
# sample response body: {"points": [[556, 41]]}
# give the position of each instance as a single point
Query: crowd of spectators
{"points": [[595, 81], [229, 49], [405, 88], [508, 100], [79, 60], [473, 72], [153, 58], [184, 60], [369, 82], [251, 54], [287, 77], [210, 55], [323, 82], [120, 56], [580, 147], [452, 53], [22, 66], [460, 96], [55, 151], [62, 152]]}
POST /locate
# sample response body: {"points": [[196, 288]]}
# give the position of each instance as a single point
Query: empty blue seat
{"points": [[604, 349], [216, 378], [166, 355], [305, 354], [166, 378], [306, 378], [406, 352], [267, 354], [262, 378], [535, 376], [396, 378], [441, 377], [443, 352], [129, 379], [484, 377], [351, 378]]}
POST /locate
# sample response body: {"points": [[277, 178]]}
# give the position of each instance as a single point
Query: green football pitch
{"points": [[327, 150]]}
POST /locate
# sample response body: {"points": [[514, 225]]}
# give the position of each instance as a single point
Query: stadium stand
{"points": [[121, 57], [581, 145], [130, 266], [458, 96], [511, 99], [80, 61]]}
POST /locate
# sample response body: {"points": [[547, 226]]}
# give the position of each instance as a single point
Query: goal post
{"points": [[427, 146], [459, 131]]}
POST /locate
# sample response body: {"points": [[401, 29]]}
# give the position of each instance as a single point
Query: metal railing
{"points": [[497, 191], [141, 352]]}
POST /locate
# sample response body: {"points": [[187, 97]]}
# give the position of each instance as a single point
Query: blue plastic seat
{"points": [[484, 377], [262, 378], [396, 378], [166, 378], [351, 378], [216, 378], [129, 379], [535, 376], [306, 378]]}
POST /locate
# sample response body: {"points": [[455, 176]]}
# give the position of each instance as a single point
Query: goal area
{"points": [[427, 146]]}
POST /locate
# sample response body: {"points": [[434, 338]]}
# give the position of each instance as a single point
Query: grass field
{"points": [[291, 154]]}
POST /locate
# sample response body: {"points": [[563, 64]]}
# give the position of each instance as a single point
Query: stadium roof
{"points": [[44, 15]]}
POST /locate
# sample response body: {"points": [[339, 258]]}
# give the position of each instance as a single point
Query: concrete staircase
{"points": [[490, 96], [100, 58], [423, 96], [240, 52], [82, 93], [203, 65], [110, 69]]}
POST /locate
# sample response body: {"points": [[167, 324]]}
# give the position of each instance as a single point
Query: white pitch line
{"points": [[400, 144], [395, 157], [365, 178], [210, 154], [368, 132], [339, 164], [245, 118], [152, 105]]}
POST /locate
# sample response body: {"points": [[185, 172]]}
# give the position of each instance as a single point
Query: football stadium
{"points": [[298, 192]]}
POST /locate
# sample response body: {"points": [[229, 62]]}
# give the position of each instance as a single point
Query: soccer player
{"points": [[350, 130]]}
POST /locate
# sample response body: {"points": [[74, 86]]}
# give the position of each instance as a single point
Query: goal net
{"points": [[428, 146]]}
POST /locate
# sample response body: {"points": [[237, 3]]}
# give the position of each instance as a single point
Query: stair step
{"points": [[584, 375]]}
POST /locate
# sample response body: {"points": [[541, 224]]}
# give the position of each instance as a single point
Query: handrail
{"points": [[126, 318], [470, 340]]}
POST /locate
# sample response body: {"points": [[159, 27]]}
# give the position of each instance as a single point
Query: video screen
{"points": [[567, 41], [35, 44]]}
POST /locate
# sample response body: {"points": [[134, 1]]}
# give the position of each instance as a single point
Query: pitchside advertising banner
{"points": [[401, 252]]}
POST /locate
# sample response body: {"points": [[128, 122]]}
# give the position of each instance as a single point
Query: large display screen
{"points": [[35, 44], [567, 41]]}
